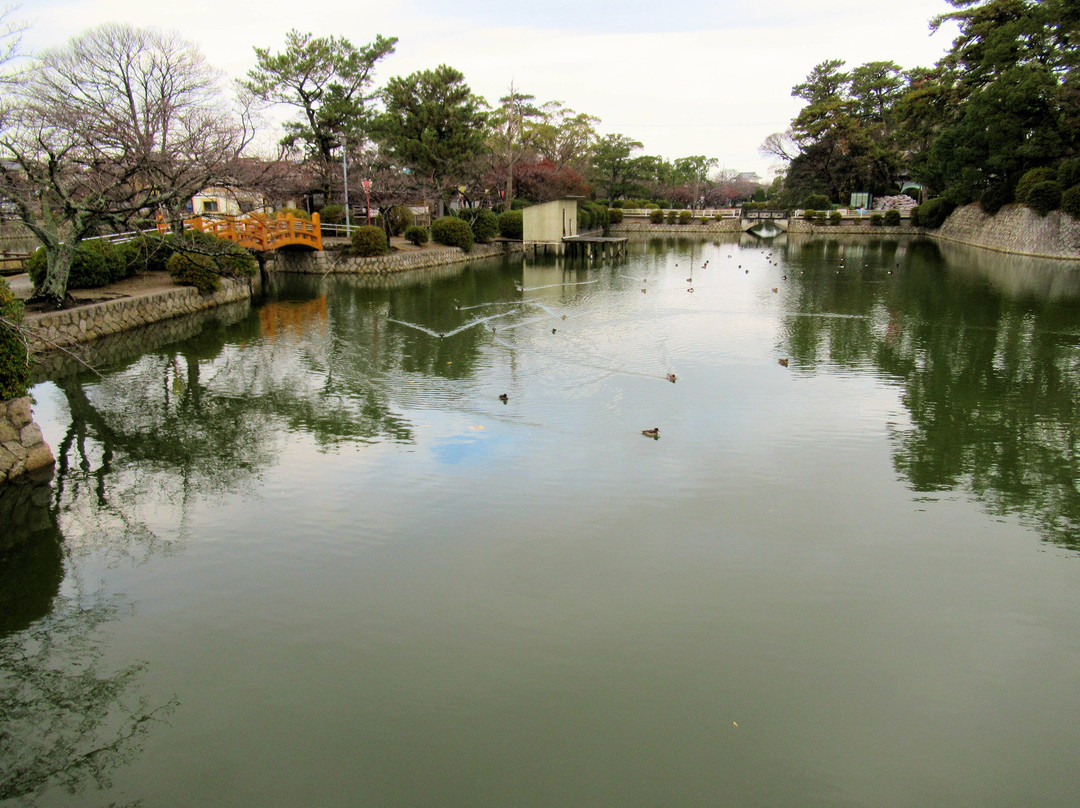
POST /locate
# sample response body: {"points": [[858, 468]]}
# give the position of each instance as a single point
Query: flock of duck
{"points": [[654, 432]]}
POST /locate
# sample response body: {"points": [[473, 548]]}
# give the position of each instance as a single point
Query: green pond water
{"points": [[301, 554]]}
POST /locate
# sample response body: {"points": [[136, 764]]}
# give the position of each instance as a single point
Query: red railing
{"points": [[260, 232]]}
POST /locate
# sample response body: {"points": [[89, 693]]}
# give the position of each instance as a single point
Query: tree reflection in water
{"points": [[986, 352], [65, 718]]}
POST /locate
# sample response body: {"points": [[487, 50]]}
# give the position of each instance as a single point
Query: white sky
{"points": [[685, 77]]}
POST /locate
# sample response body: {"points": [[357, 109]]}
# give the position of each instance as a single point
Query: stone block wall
{"points": [[62, 329], [325, 263], [1015, 229], [22, 447]]}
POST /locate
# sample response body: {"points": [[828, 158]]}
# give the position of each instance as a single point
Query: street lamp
{"points": [[345, 171]]}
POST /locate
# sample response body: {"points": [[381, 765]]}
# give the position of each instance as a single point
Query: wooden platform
{"points": [[588, 246]]}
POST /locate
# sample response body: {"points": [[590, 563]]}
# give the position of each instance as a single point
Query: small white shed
{"points": [[549, 223]]}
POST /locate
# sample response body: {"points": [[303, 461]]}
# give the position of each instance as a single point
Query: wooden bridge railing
{"points": [[262, 233]]}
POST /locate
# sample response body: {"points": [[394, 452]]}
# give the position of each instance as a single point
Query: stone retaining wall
{"points": [[62, 329], [735, 226], [722, 226], [22, 447], [1015, 229], [325, 263]]}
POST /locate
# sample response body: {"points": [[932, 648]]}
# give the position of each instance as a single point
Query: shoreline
{"points": [[153, 298]]}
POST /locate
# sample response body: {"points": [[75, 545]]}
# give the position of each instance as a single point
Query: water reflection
{"points": [[986, 348], [67, 718], [31, 561]]}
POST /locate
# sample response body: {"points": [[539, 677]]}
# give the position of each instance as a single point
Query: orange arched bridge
{"points": [[262, 233]]}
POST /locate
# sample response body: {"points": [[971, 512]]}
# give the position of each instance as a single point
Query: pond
{"points": [[303, 552]]}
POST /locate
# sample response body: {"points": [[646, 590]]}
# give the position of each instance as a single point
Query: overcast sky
{"points": [[684, 78]]}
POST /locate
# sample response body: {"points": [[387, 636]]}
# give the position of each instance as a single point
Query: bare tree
{"points": [[781, 145], [119, 125]]}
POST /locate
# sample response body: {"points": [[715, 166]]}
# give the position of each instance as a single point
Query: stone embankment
{"points": [[327, 263], [800, 226], [1015, 229], [62, 329], [22, 447]]}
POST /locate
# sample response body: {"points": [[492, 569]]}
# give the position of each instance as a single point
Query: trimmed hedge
{"points": [[453, 232], [1070, 201], [933, 214], [1068, 173], [485, 226], [95, 263], [1030, 180], [809, 214], [416, 234], [835, 218], [892, 218], [995, 198], [685, 217], [368, 240], [615, 216], [817, 202], [656, 216], [877, 219], [202, 260], [1044, 197], [511, 224], [14, 360], [195, 269], [332, 214]]}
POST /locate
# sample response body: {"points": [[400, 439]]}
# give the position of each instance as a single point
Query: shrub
{"points": [[14, 360], [615, 215], [819, 217], [453, 232], [672, 216], [485, 226], [296, 213], [809, 214], [995, 198], [148, 252], [368, 240], [1070, 201], [877, 219], [817, 202], [397, 218], [656, 216], [835, 218], [892, 218], [89, 267], [416, 234], [1044, 197], [1030, 180], [597, 215], [195, 269], [332, 214], [510, 224], [932, 214], [202, 260], [914, 214], [685, 217], [1068, 173], [584, 219], [703, 220]]}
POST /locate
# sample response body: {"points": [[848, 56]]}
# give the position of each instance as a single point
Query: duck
{"points": [[503, 397], [783, 362], [671, 378], [651, 433]]}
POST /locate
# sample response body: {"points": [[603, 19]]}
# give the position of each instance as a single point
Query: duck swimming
{"points": [[651, 433]]}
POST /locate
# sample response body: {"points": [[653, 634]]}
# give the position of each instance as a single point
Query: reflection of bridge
{"points": [[261, 233]]}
